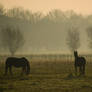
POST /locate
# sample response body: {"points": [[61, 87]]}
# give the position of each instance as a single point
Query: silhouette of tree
{"points": [[36, 17], [11, 39], [89, 33], [73, 39], [2, 10], [56, 16], [16, 12], [26, 15]]}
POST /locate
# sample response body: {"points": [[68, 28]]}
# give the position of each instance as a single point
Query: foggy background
{"points": [[46, 32]]}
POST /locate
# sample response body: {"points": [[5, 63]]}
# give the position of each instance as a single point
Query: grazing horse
{"points": [[17, 62], [79, 62]]}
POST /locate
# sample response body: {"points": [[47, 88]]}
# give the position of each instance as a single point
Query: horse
{"points": [[79, 62], [17, 62]]}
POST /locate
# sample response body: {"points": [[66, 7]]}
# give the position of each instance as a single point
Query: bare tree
{"points": [[2, 10], [20, 13], [89, 33], [12, 39], [56, 16], [73, 39], [16, 12]]}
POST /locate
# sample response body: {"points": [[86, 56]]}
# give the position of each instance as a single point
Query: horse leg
{"points": [[23, 69], [76, 70], [83, 69], [6, 70], [10, 70], [80, 70]]}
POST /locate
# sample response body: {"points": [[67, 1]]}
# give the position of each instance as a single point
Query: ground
{"points": [[54, 76]]}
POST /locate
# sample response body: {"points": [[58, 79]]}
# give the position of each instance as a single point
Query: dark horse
{"points": [[79, 62], [17, 62]]}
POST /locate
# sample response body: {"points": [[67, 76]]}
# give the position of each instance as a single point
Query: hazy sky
{"points": [[79, 6]]}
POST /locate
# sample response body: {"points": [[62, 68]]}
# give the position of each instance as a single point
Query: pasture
{"points": [[47, 75]]}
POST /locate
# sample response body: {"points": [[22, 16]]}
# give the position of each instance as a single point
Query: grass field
{"points": [[47, 76]]}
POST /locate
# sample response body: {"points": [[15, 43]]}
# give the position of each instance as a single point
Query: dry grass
{"points": [[47, 76]]}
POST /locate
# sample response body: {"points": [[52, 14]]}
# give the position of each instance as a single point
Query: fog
{"points": [[46, 33]]}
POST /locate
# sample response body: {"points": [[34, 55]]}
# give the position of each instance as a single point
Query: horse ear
{"points": [[75, 51]]}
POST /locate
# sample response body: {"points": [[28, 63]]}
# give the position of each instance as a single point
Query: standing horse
{"points": [[17, 62], [79, 62]]}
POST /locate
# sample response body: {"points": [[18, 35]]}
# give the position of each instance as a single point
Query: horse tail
{"points": [[84, 61]]}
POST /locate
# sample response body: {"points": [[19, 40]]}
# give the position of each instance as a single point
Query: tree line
{"points": [[54, 22]]}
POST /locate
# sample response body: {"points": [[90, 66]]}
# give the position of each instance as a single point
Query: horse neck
{"points": [[76, 57]]}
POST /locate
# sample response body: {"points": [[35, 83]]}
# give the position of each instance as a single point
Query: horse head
{"points": [[75, 53]]}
